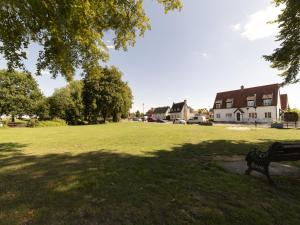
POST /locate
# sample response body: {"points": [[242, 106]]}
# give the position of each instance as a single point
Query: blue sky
{"points": [[208, 47]]}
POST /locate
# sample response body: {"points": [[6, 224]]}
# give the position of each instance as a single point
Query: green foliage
{"points": [[19, 94], [105, 94], [52, 123], [71, 31], [295, 110], [291, 116], [66, 103], [286, 58], [46, 123], [138, 114]]}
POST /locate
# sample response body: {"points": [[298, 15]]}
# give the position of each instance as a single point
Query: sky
{"points": [[207, 47]]}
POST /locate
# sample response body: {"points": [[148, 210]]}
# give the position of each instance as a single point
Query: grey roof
{"points": [[177, 107], [161, 109]]}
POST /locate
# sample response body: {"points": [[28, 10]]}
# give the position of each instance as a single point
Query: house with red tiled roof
{"points": [[262, 104]]}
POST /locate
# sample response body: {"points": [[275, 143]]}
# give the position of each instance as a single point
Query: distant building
{"points": [[261, 104], [181, 110], [161, 113]]}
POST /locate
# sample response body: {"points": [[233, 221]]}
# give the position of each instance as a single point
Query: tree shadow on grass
{"points": [[181, 186]]}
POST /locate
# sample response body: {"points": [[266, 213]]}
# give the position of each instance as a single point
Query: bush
{"points": [[32, 123], [291, 117], [46, 123]]}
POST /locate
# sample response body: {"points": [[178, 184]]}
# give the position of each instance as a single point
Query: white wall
{"points": [[245, 116]]}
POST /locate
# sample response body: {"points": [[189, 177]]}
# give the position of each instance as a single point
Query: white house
{"points": [[261, 104], [181, 110], [161, 113]]}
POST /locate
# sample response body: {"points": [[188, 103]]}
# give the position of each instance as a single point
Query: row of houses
{"points": [[262, 104]]}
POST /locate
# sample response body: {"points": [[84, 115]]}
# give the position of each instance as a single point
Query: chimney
{"points": [[242, 87]]}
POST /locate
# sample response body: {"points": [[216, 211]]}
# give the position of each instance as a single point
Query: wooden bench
{"points": [[277, 152]]}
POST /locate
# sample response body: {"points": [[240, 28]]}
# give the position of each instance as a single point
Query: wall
{"points": [[245, 117]]}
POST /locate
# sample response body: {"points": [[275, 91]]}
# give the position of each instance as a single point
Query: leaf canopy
{"points": [[70, 31]]}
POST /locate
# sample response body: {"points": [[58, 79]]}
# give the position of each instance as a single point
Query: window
{"points": [[229, 104], [218, 116], [268, 115], [267, 102], [218, 105], [228, 115], [251, 103], [252, 115]]}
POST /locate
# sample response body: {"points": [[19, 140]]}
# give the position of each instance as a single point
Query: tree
{"points": [[42, 109], [137, 114], [105, 94], [203, 111], [286, 58], [70, 32], [66, 103], [19, 94]]}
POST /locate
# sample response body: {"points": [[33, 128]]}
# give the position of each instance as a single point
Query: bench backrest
{"points": [[284, 151]]}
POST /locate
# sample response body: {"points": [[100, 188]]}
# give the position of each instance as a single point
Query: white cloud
{"points": [[258, 25], [236, 27], [204, 55]]}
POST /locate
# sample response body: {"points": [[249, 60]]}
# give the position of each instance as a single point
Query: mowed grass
{"points": [[139, 174]]}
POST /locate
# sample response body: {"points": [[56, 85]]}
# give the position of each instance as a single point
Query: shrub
{"points": [[291, 116], [46, 123], [32, 123]]}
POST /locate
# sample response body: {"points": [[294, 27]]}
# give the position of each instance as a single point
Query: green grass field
{"points": [[138, 174]]}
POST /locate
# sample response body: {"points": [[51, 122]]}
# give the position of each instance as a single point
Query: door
{"points": [[238, 116]]}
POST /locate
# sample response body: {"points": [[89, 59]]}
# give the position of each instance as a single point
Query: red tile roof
{"points": [[240, 96], [284, 101]]}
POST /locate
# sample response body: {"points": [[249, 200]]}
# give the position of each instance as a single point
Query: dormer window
{"points": [[267, 102], [267, 99], [218, 104], [229, 103], [250, 103]]}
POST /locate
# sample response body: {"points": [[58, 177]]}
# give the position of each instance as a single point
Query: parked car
{"points": [[150, 119], [197, 120], [179, 121], [160, 121]]}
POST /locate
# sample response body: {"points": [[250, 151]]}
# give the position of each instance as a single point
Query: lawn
{"points": [[138, 174]]}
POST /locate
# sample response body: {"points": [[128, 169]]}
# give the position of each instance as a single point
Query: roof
{"points": [[284, 101], [177, 107], [239, 97], [161, 109]]}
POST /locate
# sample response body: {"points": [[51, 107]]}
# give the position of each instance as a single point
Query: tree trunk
{"points": [[115, 117], [13, 118]]}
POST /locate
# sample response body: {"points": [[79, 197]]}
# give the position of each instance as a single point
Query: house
{"points": [[181, 110], [261, 104], [150, 113], [161, 113]]}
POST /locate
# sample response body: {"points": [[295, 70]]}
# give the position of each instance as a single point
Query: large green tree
{"points": [[105, 94], [286, 58], [70, 32], [19, 94], [66, 103]]}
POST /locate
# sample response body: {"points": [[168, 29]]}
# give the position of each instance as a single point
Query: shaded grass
{"points": [[138, 174]]}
